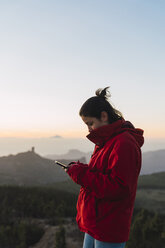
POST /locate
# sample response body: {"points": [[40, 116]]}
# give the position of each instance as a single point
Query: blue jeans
{"points": [[90, 242]]}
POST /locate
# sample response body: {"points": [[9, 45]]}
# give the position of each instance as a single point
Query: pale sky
{"points": [[55, 54]]}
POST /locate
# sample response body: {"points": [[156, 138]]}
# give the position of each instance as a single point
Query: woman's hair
{"points": [[96, 104]]}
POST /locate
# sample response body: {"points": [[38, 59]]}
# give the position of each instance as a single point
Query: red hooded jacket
{"points": [[108, 183]]}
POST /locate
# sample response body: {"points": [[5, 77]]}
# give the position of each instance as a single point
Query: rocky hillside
{"points": [[29, 168]]}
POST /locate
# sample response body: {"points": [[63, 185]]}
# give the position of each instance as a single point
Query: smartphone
{"points": [[61, 164]]}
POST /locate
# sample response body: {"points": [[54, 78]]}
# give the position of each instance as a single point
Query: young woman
{"points": [[108, 183]]}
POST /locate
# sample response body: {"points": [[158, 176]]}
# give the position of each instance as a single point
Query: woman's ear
{"points": [[104, 117]]}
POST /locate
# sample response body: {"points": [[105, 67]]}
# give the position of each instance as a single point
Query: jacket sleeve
{"points": [[118, 181]]}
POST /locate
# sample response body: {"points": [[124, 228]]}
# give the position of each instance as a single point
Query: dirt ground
{"points": [[74, 238]]}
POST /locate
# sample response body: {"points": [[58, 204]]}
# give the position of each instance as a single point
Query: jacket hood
{"points": [[101, 135]]}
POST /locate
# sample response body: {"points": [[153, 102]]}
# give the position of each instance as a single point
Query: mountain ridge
{"points": [[153, 162], [29, 168]]}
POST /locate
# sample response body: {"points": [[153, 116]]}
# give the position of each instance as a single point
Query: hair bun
{"points": [[103, 93]]}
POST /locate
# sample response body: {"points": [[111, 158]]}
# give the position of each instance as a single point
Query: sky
{"points": [[54, 55]]}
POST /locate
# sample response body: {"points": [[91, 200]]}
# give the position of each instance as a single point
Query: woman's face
{"points": [[93, 123]]}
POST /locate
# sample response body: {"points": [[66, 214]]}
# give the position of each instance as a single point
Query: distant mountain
{"points": [[71, 154], [29, 168], [153, 161]]}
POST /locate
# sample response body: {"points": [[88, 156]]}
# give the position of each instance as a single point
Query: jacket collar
{"points": [[101, 135]]}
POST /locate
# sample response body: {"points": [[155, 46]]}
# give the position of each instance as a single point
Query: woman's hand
{"points": [[69, 165], [74, 163]]}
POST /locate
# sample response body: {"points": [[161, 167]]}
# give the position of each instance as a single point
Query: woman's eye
{"points": [[89, 123]]}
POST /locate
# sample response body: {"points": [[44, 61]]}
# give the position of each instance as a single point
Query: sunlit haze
{"points": [[55, 54]]}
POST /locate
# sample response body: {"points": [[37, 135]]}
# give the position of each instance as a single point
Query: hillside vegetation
{"points": [[20, 206], [155, 181]]}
